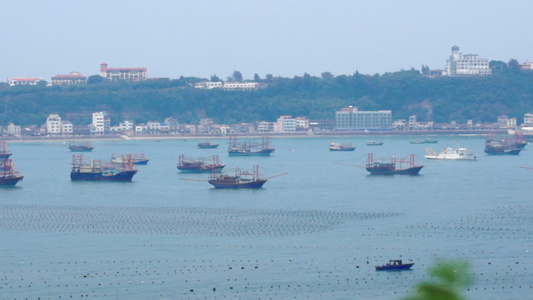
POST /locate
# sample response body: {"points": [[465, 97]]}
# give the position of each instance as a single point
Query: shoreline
{"points": [[33, 139]]}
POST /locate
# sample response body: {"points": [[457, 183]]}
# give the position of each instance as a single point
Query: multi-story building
{"points": [[528, 65], [528, 120], [23, 81], [13, 130], [467, 64], [286, 124], [350, 118], [67, 128], [53, 124], [101, 123], [302, 124], [208, 85], [71, 78], [127, 74]]}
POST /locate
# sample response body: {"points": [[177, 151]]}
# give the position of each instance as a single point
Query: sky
{"points": [[285, 38]]}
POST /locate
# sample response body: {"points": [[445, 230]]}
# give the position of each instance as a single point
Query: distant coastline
{"points": [[29, 139]]}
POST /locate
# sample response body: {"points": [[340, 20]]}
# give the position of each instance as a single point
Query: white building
{"points": [[101, 122], [286, 124], [72, 78], [24, 81], [141, 129], [528, 120], [127, 74], [13, 130], [67, 128], [208, 85], [53, 124], [467, 64], [350, 118]]}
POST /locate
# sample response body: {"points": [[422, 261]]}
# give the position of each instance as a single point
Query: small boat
{"points": [[249, 148], [374, 143], [430, 141], [404, 166], [207, 145], [95, 170], [138, 158], [450, 153], [200, 165], [8, 175], [80, 146], [4, 152], [341, 146], [394, 265]]}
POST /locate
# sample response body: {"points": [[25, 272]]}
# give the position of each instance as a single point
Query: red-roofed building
{"points": [[72, 78], [24, 81], [128, 74]]}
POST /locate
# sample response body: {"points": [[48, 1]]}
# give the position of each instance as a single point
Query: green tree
{"points": [[214, 78], [93, 79], [451, 277], [237, 76]]}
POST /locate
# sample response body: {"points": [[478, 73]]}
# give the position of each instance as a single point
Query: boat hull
{"points": [[5, 155], [408, 171], [121, 176], [503, 152], [141, 162], [394, 268], [264, 152], [244, 185], [343, 149], [217, 169], [80, 149], [10, 181]]}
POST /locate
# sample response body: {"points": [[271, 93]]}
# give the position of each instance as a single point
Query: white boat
{"points": [[450, 153]]}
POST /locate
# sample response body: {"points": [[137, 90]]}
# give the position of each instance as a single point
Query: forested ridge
{"points": [[506, 92]]}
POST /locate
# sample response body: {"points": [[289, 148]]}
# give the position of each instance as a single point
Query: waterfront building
{"points": [[141, 129], [23, 81], [126, 74], [350, 118], [67, 128], [71, 78], [13, 130], [528, 119], [466, 64], [101, 123], [302, 124], [286, 124], [53, 124]]}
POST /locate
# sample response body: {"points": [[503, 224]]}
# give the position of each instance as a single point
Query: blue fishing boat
{"points": [[80, 146], [199, 165], [374, 143], [207, 145], [249, 148], [394, 265], [341, 146], [8, 175], [404, 166], [95, 170]]}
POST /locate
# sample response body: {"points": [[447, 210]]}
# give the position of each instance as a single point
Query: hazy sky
{"points": [[284, 38]]}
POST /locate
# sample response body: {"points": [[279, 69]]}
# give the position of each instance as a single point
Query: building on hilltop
{"points": [[71, 78], [230, 85], [466, 64], [526, 65], [350, 118], [126, 74], [23, 81]]}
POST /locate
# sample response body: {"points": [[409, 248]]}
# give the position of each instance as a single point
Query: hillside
{"points": [[405, 93]]}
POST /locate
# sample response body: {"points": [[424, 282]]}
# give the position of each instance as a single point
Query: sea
{"points": [[316, 232]]}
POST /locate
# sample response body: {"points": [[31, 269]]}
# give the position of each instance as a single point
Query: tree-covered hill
{"points": [[507, 91]]}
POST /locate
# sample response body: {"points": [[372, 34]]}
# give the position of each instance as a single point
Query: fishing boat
{"points": [[96, 170], [374, 143], [238, 180], [417, 141], [80, 146], [4, 152], [404, 166], [207, 145], [199, 165], [451, 153], [249, 148], [394, 265], [504, 145], [341, 146], [8, 175], [138, 158], [430, 141]]}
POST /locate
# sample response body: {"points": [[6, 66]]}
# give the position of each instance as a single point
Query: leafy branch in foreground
{"points": [[450, 279]]}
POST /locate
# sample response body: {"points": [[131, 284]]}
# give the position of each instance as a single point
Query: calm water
{"points": [[315, 233]]}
